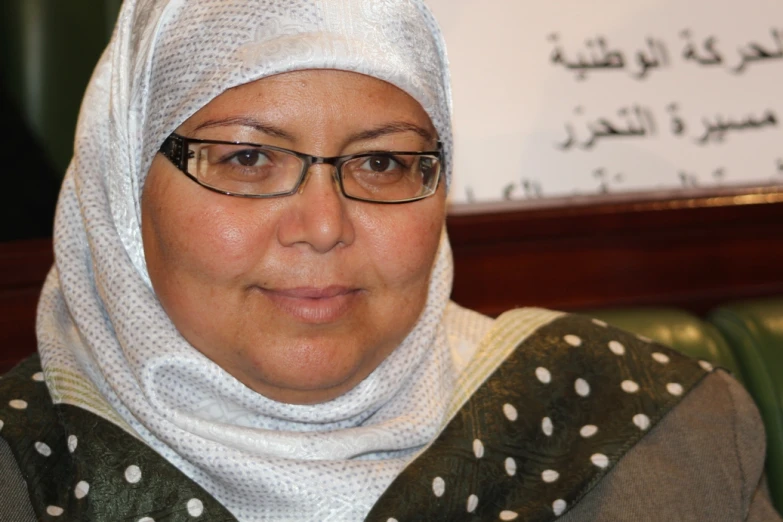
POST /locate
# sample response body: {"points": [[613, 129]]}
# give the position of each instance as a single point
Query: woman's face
{"points": [[298, 297]]}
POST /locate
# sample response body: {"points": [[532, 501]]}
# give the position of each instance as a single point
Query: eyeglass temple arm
{"points": [[174, 149]]}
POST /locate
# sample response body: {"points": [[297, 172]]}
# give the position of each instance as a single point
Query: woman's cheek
{"points": [[407, 251], [225, 242]]}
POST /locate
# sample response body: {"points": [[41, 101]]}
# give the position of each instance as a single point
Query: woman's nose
{"points": [[317, 213]]}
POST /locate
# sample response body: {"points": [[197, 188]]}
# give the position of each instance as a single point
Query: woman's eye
{"points": [[380, 164], [249, 158]]}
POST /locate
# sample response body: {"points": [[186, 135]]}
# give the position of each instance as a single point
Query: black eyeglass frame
{"points": [[175, 149]]}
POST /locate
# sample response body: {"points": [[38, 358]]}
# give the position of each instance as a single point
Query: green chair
{"points": [[48, 50], [677, 329], [754, 330]]}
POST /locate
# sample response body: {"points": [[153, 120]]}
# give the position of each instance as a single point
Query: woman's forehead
{"points": [[317, 100]]}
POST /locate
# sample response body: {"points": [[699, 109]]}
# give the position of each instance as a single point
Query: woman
{"points": [[249, 314]]}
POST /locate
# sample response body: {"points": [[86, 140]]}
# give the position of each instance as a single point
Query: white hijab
{"points": [[107, 345]]}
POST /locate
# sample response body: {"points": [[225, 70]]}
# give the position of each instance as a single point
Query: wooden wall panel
{"points": [[23, 268], [692, 252]]}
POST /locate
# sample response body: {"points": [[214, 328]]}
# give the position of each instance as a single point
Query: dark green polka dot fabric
{"points": [[80, 467], [544, 428]]}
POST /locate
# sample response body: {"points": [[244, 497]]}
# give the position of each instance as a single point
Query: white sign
{"points": [[568, 97]]}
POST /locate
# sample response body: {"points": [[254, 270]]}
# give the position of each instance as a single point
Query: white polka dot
{"points": [[660, 357], [38, 377], [674, 388], [558, 506], [644, 339], [581, 387], [510, 412], [146, 519], [546, 426], [642, 421], [195, 507], [600, 460], [2, 424], [511, 467], [18, 404], [588, 430], [707, 366], [43, 449], [472, 503], [81, 490], [508, 515], [72, 443], [599, 322], [550, 475], [478, 448], [543, 375], [438, 486], [133, 474], [54, 511], [572, 340], [616, 347], [629, 386], [392, 519]]}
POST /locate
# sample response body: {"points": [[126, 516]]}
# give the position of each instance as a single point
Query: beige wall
{"points": [[529, 105]]}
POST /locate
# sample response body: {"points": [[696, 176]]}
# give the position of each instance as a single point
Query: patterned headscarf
{"points": [[107, 344]]}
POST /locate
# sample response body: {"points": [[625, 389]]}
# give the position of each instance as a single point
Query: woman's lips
{"points": [[312, 304]]}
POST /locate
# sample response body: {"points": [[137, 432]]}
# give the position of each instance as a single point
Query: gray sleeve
{"points": [[703, 461], [14, 500]]}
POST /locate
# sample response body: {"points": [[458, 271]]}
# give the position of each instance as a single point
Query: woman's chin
{"points": [[302, 380], [295, 393]]}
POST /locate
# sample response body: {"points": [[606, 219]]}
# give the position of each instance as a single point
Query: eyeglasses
{"points": [[262, 171]]}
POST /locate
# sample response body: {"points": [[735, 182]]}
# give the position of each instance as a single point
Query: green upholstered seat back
{"points": [[754, 330], [48, 50], [677, 329]]}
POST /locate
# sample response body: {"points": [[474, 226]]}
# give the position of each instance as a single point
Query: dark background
{"points": [[48, 49]]}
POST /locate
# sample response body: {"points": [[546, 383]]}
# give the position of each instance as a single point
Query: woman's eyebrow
{"points": [[271, 130], [391, 128], [266, 128]]}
